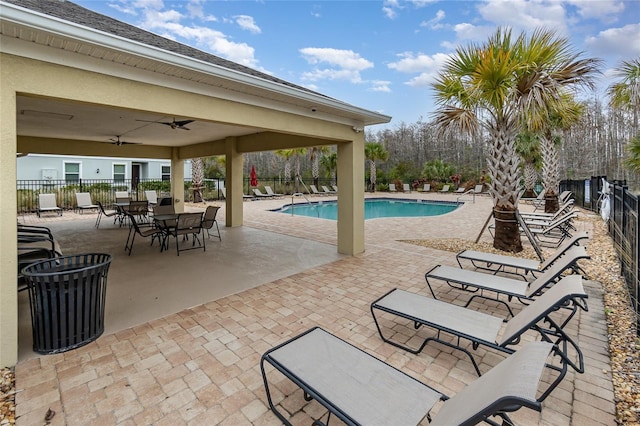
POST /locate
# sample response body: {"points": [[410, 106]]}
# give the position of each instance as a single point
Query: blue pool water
{"points": [[373, 208]]}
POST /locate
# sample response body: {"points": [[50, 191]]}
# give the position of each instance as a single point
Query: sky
{"points": [[378, 55]]}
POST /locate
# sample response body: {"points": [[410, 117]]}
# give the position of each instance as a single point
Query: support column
{"points": [[177, 181], [351, 196], [233, 182], [8, 230]]}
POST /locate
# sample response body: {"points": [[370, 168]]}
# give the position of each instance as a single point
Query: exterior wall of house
{"points": [[38, 167]]}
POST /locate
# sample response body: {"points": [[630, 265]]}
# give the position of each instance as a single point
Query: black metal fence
{"points": [[622, 224], [103, 190]]}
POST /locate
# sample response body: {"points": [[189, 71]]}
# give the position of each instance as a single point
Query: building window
{"points": [[119, 172], [72, 172], [166, 172]]}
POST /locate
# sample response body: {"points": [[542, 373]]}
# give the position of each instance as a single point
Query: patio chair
{"points": [[459, 190], [84, 202], [566, 207], [314, 190], [549, 234], [392, 187], [483, 329], [270, 192], [260, 194], [360, 389], [499, 263], [335, 188], [140, 209], [426, 187], [327, 191], [445, 188], [209, 219], [35, 243], [144, 230], [406, 187], [479, 282], [47, 203], [152, 197], [103, 212], [189, 224]]}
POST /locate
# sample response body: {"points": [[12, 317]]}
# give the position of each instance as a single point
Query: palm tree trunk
{"points": [[197, 179], [503, 167], [550, 173], [372, 175]]}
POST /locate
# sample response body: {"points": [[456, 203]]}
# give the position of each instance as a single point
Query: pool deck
{"points": [[184, 334]]}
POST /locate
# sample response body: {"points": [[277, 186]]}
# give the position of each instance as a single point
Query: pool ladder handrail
{"points": [[302, 194]]}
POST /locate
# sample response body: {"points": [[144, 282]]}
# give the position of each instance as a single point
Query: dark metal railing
{"points": [[622, 225], [104, 190]]}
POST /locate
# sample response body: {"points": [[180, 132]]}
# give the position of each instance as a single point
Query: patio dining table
{"points": [[162, 222]]}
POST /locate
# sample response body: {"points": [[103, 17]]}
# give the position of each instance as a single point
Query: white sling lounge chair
{"points": [[499, 263], [360, 389], [480, 328], [479, 282]]}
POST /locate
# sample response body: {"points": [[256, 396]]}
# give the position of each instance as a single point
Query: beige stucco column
{"points": [[8, 230], [351, 196], [233, 183], [177, 181]]}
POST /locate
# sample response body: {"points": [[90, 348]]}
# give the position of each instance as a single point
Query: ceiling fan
{"points": [[180, 124], [117, 141]]}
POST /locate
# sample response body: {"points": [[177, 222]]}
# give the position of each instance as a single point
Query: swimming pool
{"points": [[373, 208]]}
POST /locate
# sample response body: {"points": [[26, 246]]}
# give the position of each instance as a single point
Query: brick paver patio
{"points": [[200, 366]]}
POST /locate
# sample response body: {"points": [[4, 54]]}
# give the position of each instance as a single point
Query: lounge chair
{"points": [[566, 207], [244, 196], [549, 234], [209, 219], [460, 189], [47, 203], [445, 188], [499, 263], [360, 389], [270, 192], [122, 197], [152, 197], [392, 187], [406, 187], [83, 202], [335, 188], [260, 194], [314, 190], [479, 282], [483, 329], [327, 191], [426, 187]]}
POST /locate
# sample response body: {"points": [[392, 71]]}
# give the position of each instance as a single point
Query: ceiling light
{"points": [[45, 114]]}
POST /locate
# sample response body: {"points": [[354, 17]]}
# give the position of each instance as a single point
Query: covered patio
{"points": [[73, 81], [200, 364]]}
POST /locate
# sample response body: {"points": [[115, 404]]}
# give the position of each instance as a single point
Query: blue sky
{"points": [[378, 55]]}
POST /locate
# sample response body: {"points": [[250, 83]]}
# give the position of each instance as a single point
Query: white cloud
{"points": [[434, 23], [380, 86], [604, 10], [247, 23], [622, 42], [426, 66], [340, 64], [390, 7], [195, 9], [523, 15]]}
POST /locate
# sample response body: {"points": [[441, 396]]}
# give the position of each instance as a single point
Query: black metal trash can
{"points": [[67, 298]]}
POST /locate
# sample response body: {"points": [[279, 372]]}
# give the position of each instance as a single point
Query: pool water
{"points": [[373, 208]]}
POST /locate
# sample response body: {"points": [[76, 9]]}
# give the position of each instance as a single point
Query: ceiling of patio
{"points": [[61, 119]]}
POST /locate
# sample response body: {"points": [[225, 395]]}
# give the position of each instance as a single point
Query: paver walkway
{"points": [[200, 366]]}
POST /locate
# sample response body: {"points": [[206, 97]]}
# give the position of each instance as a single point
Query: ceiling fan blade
{"points": [[173, 124]]}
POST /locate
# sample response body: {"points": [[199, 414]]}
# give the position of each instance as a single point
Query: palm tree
{"points": [[499, 86], [330, 163], [374, 151], [528, 147], [314, 155], [561, 117], [632, 162], [197, 179], [625, 93], [286, 154]]}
